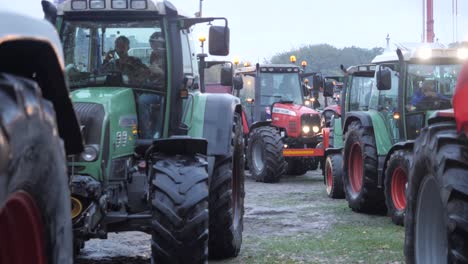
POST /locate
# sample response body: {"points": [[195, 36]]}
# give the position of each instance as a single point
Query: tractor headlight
{"points": [[306, 129], [90, 153], [78, 4], [315, 129], [307, 102], [97, 4]]}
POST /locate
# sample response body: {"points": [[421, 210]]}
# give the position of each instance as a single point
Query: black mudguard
{"points": [[363, 117], [26, 57], [217, 129]]}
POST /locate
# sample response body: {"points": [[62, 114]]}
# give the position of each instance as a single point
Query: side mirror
{"points": [[226, 76], [238, 83], [219, 40], [50, 11], [384, 79], [328, 89], [306, 90], [317, 82]]}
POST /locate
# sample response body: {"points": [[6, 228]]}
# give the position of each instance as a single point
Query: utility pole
{"points": [[201, 7]]}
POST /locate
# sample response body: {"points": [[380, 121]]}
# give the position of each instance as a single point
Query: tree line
{"points": [[327, 58]]}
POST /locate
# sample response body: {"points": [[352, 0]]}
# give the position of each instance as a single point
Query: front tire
{"points": [[265, 155], [396, 179], [35, 215], [334, 176], [180, 210], [296, 167], [436, 220], [360, 156], [227, 199]]}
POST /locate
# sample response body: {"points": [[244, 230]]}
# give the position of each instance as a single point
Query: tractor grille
{"points": [[310, 120], [292, 127], [90, 117]]}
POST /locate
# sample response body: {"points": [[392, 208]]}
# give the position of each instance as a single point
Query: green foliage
{"points": [[327, 59]]}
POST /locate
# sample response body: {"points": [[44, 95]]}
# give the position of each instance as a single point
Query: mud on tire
{"points": [[227, 199], [396, 177], [180, 210], [265, 155], [436, 220], [32, 165], [360, 168], [334, 176]]}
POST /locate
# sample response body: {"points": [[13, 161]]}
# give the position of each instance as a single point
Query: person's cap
{"points": [[156, 36]]}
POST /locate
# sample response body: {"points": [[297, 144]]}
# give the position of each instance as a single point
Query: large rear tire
{"points": [[436, 220], [227, 199], [35, 215], [395, 183], [361, 161], [265, 155], [180, 210], [334, 176]]}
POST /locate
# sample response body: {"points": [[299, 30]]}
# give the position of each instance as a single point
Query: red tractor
{"points": [[282, 133], [436, 220]]}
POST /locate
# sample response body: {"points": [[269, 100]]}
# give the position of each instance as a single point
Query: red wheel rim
{"points": [[21, 230], [355, 169], [399, 180], [329, 179]]}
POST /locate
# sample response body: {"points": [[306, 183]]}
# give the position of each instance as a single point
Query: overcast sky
{"points": [[261, 28]]}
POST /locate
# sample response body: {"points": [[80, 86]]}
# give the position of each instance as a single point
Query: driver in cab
{"points": [[426, 97], [129, 65]]}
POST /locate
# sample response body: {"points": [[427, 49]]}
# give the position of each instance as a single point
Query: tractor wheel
{"points": [[396, 179], [265, 155], [334, 176], [296, 167], [227, 199], [436, 220], [35, 214], [180, 210], [360, 168]]}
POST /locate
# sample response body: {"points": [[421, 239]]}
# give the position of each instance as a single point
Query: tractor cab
{"points": [[411, 85], [266, 85]]}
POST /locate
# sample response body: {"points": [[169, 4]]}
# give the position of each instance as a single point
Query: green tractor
{"points": [[354, 96], [410, 84], [160, 156]]}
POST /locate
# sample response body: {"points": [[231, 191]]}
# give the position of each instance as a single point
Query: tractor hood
{"points": [[108, 119], [292, 109]]}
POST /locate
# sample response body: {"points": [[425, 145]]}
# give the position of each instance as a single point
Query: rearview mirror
{"points": [[226, 76], [317, 82], [50, 11], [219, 40], [328, 89], [384, 79], [238, 83]]}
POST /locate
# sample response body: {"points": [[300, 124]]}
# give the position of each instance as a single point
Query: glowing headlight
{"points": [[97, 4], [89, 154], [307, 102], [78, 4], [119, 4], [306, 129], [462, 53], [425, 53], [315, 129]]}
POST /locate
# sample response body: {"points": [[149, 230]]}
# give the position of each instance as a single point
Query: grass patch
{"points": [[356, 242]]}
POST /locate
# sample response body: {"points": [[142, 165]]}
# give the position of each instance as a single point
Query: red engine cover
{"points": [[288, 116], [459, 100]]}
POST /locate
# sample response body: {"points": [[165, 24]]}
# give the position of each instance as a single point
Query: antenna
{"points": [[388, 41]]}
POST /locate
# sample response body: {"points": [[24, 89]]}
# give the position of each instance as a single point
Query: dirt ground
{"points": [[289, 222]]}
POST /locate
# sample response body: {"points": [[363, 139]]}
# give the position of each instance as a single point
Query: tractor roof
{"points": [[417, 51], [283, 68], [107, 5]]}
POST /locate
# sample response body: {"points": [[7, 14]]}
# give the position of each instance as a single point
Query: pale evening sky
{"points": [[260, 29]]}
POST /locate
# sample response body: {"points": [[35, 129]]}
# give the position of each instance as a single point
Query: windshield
{"points": [[431, 87], [129, 54], [275, 87]]}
